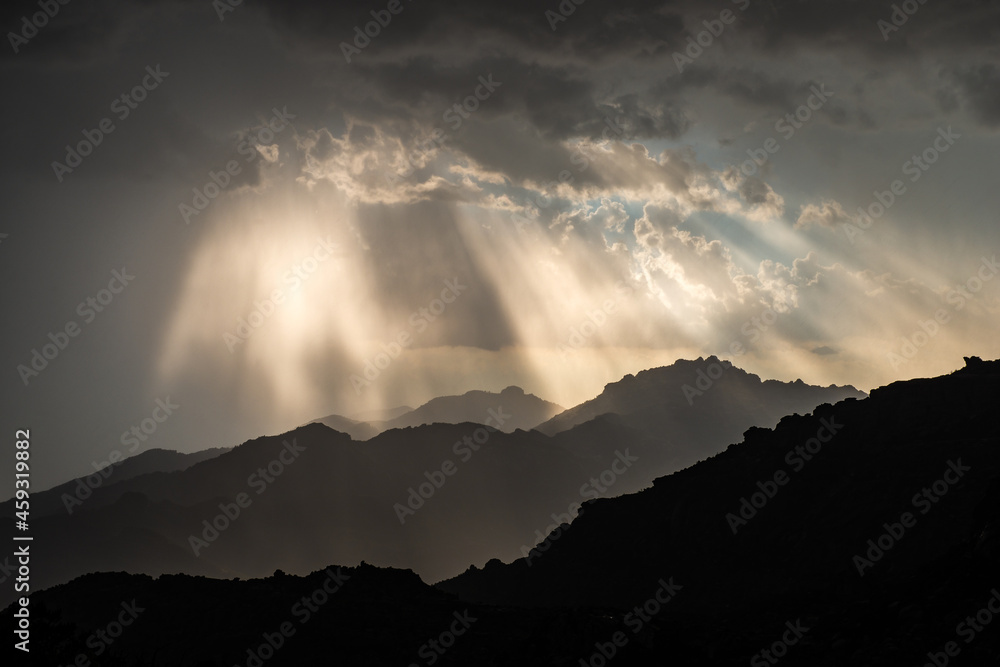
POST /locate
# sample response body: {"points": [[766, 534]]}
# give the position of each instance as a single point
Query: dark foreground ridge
{"points": [[875, 523], [338, 616], [866, 533]]}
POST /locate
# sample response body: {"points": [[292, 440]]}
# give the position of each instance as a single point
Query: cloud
{"points": [[765, 203], [980, 88], [828, 213]]}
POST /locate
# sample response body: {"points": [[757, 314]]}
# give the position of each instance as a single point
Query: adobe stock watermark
{"points": [[303, 611], [968, 629], [31, 25], [260, 481], [454, 116], [362, 38], [294, 277], [915, 167], [796, 458], [923, 501], [223, 7], [635, 620], [464, 449], [596, 319], [779, 649], [220, 180], [697, 44], [135, 436], [102, 638], [930, 327], [432, 650], [752, 329], [594, 489], [88, 309], [706, 378], [901, 13], [786, 126], [566, 9], [419, 321], [122, 107]]}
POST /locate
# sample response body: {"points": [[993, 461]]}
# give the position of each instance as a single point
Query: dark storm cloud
{"points": [[980, 88], [605, 31], [614, 60], [853, 26], [76, 36], [593, 31], [606, 60], [156, 139]]}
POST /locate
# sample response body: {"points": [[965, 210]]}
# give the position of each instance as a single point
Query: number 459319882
{"points": [[22, 473]]}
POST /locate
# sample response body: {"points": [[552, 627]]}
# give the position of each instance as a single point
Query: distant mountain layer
{"points": [[520, 410], [381, 415], [66, 497], [508, 410], [659, 400], [358, 430]]}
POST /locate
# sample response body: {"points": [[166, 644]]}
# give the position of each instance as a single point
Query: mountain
{"points": [[337, 615], [661, 400], [523, 411], [334, 499], [380, 415], [66, 497], [695, 401], [433, 498], [880, 539], [870, 536], [358, 430], [162, 460], [674, 416]]}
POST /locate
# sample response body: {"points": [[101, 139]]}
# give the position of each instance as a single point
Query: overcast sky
{"points": [[533, 193]]}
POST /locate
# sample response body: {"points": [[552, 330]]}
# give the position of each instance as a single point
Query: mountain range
{"points": [[526, 412], [432, 498], [864, 532]]}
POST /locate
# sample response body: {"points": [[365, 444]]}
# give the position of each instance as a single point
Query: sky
{"points": [[222, 220]]}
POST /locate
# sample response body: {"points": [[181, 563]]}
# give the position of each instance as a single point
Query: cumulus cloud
{"points": [[827, 213]]}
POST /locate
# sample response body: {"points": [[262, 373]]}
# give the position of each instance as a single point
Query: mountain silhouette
{"points": [[66, 497], [870, 535], [883, 540], [372, 616], [661, 401], [525, 412], [380, 415], [358, 430], [432, 498]]}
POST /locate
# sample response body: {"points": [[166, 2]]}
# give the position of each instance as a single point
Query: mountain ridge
{"points": [[474, 406]]}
